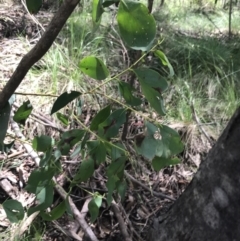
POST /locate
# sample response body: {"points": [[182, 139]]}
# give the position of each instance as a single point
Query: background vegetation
{"points": [[194, 35]]}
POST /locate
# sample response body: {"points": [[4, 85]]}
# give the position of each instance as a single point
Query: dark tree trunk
{"points": [[209, 209]]}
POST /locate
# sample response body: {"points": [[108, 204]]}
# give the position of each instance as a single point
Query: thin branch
{"points": [[39, 50], [121, 222]]}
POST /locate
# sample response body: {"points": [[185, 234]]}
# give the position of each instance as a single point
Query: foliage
{"points": [[158, 143]]}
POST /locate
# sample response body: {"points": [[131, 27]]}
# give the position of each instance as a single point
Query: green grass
{"points": [[206, 63]]}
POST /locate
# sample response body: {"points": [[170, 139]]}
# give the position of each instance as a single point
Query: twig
{"points": [[79, 217], [121, 222], [156, 194]]}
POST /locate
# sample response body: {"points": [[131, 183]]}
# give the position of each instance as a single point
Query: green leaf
{"points": [[148, 147], [151, 78], [110, 127], [68, 207], [85, 171], [45, 199], [126, 91], [116, 167], [62, 118], [93, 207], [56, 213], [6, 147], [33, 5], [116, 152], [69, 139], [161, 162], [39, 178], [94, 68], [45, 160], [155, 99], [97, 11], [122, 188], [63, 100], [42, 143], [137, 27], [101, 116], [97, 151], [160, 141], [85, 139], [164, 61], [14, 210], [107, 3], [111, 185], [172, 144], [23, 113], [4, 118]]}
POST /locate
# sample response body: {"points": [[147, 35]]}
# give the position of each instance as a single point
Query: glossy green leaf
{"points": [[33, 5], [45, 199], [97, 11], [42, 143], [97, 151], [94, 68], [62, 118], [101, 116], [85, 171], [93, 207], [63, 100], [137, 27], [161, 162], [110, 127], [56, 213], [164, 61], [23, 113], [152, 79], [14, 210], [126, 91]]}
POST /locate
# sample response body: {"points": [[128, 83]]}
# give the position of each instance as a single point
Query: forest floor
{"points": [[201, 98]]}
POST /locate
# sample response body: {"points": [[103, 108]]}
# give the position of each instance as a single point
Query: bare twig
{"points": [[121, 222]]}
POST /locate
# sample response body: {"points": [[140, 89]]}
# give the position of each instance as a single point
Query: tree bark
{"points": [[209, 209]]}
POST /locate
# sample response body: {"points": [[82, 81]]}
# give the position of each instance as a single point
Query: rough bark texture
{"points": [[209, 209]]}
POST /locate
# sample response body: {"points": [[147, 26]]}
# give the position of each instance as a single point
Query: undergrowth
{"points": [[205, 61], [206, 64]]}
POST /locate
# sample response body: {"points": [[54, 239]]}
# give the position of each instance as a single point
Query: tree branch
{"points": [[39, 50]]}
